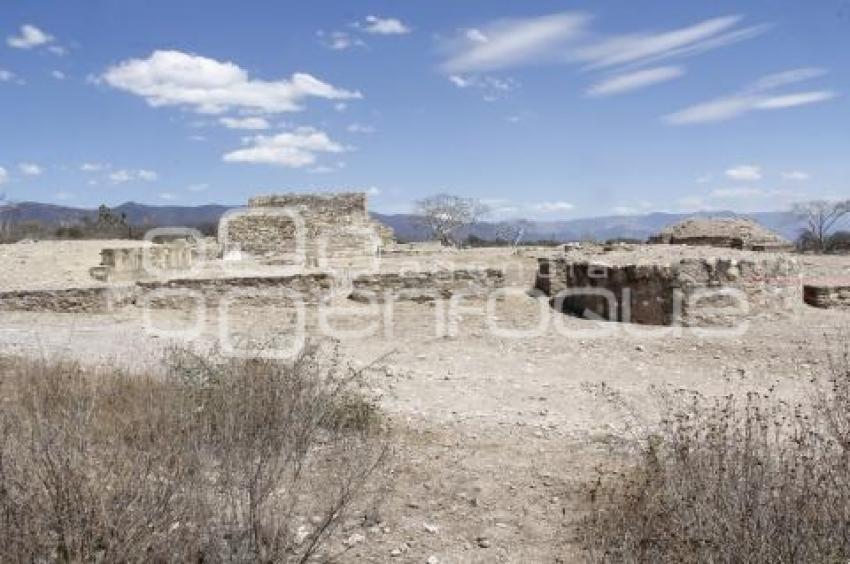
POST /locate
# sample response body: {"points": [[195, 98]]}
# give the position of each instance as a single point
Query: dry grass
{"points": [[739, 479], [241, 461]]}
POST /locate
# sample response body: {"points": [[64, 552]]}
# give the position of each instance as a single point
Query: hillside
{"points": [[407, 226]]}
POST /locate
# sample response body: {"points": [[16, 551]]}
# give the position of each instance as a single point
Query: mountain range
{"points": [[409, 227]]}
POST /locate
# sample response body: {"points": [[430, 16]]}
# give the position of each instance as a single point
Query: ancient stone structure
{"points": [[827, 296], [309, 288], [312, 229], [70, 300], [688, 291], [733, 233], [425, 286], [143, 262]]}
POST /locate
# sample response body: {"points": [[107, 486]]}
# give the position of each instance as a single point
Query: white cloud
{"points": [[491, 87], [125, 175], [634, 80], [4, 176], [756, 96], [475, 35], [567, 38], [338, 40], [295, 149], [6, 76], [794, 100], [745, 172], [167, 196], [513, 42], [201, 187], [796, 175], [384, 26], [632, 209], [360, 128], [174, 78], [64, 196], [642, 48], [30, 169], [735, 193], [245, 123], [505, 209], [552, 207], [57, 74], [30, 36], [93, 167], [704, 179], [373, 191], [58, 50]]}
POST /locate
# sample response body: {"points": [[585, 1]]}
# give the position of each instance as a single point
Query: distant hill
{"points": [[409, 227]]}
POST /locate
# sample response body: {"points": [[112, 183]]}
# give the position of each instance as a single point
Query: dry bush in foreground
{"points": [[751, 479], [240, 461]]}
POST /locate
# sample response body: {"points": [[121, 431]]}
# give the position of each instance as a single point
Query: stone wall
{"points": [[332, 226], [71, 300], [426, 286], [827, 296], [687, 291], [141, 262], [309, 289]]}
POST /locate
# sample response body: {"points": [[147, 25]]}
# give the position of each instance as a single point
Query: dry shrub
{"points": [[220, 460], [736, 479]]}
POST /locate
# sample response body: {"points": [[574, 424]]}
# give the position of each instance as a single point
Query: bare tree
{"points": [[444, 214], [512, 232], [820, 216]]}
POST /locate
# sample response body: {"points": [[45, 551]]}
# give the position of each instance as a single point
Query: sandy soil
{"points": [[496, 433]]}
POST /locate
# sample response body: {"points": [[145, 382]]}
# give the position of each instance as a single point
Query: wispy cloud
{"points": [[360, 128], [502, 209], [645, 48], [759, 95], [245, 123], [174, 78], [744, 172], [513, 42], [93, 167], [122, 176], [635, 80], [490, 87], [567, 38], [339, 40], [796, 175], [30, 169]]}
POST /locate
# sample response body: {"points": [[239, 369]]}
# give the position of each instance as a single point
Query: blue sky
{"points": [[544, 110]]}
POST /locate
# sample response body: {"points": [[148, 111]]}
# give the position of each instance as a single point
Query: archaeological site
{"points": [[424, 283]]}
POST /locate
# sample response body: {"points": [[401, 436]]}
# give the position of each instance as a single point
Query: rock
{"points": [[433, 529], [354, 539], [484, 542], [432, 560]]}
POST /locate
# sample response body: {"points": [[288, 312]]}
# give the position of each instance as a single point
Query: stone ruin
{"points": [[304, 228], [141, 262], [684, 288], [734, 233]]}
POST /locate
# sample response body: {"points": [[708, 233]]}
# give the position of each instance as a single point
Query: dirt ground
{"points": [[496, 432]]}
